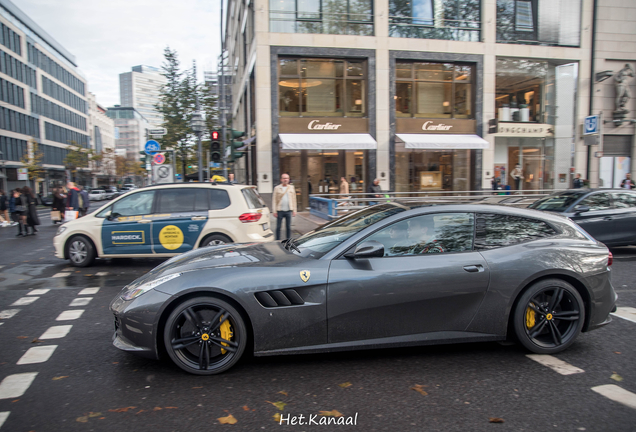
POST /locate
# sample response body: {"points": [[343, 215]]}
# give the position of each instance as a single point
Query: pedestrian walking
{"points": [[628, 183], [517, 176], [59, 198], [84, 201], [344, 187], [375, 191], [578, 182], [17, 209], [284, 205], [31, 214], [72, 198], [4, 212]]}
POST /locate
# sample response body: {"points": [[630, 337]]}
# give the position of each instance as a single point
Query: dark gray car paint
{"points": [[482, 313]]}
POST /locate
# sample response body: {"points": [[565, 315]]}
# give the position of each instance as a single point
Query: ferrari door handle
{"points": [[474, 268], [198, 218], [144, 221]]}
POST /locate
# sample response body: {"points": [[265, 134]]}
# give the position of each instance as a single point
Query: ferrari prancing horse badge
{"points": [[304, 275]]}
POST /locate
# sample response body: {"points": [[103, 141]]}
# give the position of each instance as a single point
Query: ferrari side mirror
{"points": [[367, 249]]}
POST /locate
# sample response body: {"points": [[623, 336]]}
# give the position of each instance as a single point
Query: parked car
{"points": [[386, 276], [166, 220], [608, 215], [110, 192], [97, 195]]}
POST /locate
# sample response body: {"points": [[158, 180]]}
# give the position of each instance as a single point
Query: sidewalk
{"points": [[301, 224]]}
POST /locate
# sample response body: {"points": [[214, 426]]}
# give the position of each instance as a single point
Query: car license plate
{"points": [[265, 226]]}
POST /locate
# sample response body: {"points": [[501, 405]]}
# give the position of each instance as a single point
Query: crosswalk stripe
{"points": [[617, 394], [56, 332], [81, 301], [555, 364], [15, 385], [38, 354], [70, 315], [38, 291], [101, 274], [8, 313], [3, 417], [627, 313], [88, 291], [61, 274], [24, 301]]}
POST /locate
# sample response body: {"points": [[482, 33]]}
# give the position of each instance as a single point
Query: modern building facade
{"points": [[141, 89], [425, 95], [130, 130], [102, 133], [43, 100]]}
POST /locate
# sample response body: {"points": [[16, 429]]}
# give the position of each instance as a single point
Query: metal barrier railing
{"points": [[330, 206]]}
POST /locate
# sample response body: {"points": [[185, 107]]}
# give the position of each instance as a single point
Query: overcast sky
{"points": [[108, 37]]}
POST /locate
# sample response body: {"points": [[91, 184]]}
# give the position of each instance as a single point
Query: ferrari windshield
{"points": [[330, 235], [558, 202]]}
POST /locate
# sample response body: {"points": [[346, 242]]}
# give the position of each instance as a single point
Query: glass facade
{"points": [[322, 88], [431, 170], [351, 17], [458, 20], [434, 90]]}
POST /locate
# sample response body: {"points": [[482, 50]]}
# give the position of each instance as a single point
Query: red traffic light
{"points": [[215, 135]]}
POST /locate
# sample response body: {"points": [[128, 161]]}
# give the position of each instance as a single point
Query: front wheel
{"points": [[80, 251], [205, 336], [215, 240], [549, 316]]}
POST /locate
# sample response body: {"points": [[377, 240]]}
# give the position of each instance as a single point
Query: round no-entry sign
{"points": [[159, 158]]}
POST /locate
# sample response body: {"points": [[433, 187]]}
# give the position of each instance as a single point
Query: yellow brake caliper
{"points": [[530, 317], [226, 333]]}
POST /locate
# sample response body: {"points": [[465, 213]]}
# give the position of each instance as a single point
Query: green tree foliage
{"points": [[33, 160]]}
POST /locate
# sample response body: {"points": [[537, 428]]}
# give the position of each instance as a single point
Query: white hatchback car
{"points": [[166, 220], [97, 195]]}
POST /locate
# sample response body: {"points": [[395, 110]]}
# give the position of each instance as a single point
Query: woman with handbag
{"points": [[59, 198], [31, 218], [17, 208]]}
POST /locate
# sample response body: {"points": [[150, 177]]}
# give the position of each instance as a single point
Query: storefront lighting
{"points": [[305, 84], [446, 103], [358, 101]]}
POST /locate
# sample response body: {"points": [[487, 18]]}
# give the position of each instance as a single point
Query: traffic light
{"points": [[493, 126], [235, 144], [215, 147]]}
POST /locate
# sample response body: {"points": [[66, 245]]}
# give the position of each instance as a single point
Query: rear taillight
{"points": [[610, 259], [250, 217]]}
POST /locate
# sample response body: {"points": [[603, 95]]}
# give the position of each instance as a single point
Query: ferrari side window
{"points": [[497, 230]]}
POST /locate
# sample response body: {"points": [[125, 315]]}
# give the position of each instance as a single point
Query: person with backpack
{"points": [[84, 201], [72, 198]]}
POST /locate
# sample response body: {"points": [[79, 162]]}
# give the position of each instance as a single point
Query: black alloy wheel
{"points": [[205, 336], [549, 316]]}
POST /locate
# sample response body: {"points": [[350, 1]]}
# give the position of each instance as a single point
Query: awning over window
{"points": [[328, 142], [442, 141]]}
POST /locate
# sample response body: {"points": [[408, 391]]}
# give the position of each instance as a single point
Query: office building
{"points": [[141, 89]]}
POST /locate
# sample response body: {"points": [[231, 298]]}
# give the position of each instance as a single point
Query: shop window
{"points": [[524, 90], [436, 19], [539, 22], [431, 170], [434, 90], [322, 88], [351, 17]]}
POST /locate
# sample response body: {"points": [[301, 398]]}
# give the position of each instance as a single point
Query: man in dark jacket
{"points": [[85, 201], [72, 198], [375, 191]]}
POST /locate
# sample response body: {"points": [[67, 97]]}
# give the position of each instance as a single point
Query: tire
{"points": [[215, 240], [549, 316], [80, 251], [193, 342]]}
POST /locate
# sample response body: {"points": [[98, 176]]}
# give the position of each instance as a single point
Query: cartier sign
{"points": [[436, 126], [323, 125]]}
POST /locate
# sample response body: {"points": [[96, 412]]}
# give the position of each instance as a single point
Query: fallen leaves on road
{"points": [[616, 377], [14, 401], [420, 389], [227, 420], [277, 417], [495, 420], [122, 409], [246, 408], [333, 413], [345, 385], [279, 405], [283, 392], [157, 409], [617, 352], [197, 387], [36, 340], [84, 419], [22, 337], [57, 378]]}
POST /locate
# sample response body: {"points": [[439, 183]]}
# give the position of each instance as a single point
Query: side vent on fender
{"points": [[279, 298]]}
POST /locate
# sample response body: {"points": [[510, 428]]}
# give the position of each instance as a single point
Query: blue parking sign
{"points": [[152, 147], [591, 125]]}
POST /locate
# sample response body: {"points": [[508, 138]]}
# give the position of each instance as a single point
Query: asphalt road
{"points": [[88, 385]]}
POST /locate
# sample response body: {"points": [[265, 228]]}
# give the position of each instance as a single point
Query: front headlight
{"points": [[136, 291], [60, 230]]}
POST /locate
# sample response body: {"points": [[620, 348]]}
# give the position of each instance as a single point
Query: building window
{"points": [[351, 17], [322, 88], [434, 90], [436, 19], [522, 90], [539, 22]]}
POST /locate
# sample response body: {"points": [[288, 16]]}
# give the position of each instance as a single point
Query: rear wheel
{"points": [[549, 316], [80, 251], [215, 240], [205, 336]]}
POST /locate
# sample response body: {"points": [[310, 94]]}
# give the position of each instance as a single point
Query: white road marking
{"points": [[38, 354], [555, 364], [3, 417], [81, 301], [61, 274], [627, 313], [38, 291], [70, 315], [88, 291], [8, 313], [24, 301], [15, 385], [56, 332], [101, 274], [1, 267], [617, 394]]}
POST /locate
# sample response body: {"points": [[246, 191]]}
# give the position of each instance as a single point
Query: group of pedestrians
{"points": [[70, 198], [22, 204]]}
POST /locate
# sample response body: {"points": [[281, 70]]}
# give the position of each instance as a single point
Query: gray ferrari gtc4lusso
{"points": [[391, 275]]}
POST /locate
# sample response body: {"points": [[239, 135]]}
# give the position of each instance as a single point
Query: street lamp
{"points": [[198, 125]]}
